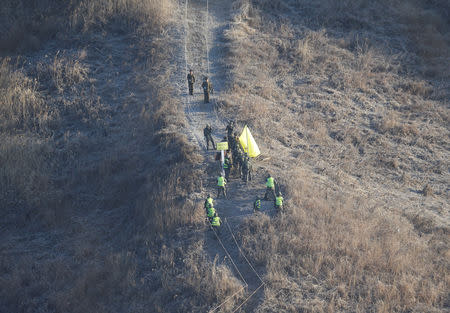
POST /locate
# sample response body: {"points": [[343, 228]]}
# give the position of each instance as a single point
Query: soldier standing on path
{"points": [[221, 182], [191, 81], [229, 130], [279, 202], [209, 203], [227, 167], [237, 156], [208, 137], [270, 188], [215, 223], [245, 168], [207, 89]]}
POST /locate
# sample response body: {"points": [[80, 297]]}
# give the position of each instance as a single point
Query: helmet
{"points": [[279, 194], [209, 195]]}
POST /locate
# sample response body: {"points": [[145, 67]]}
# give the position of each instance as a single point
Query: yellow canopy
{"points": [[248, 143]]}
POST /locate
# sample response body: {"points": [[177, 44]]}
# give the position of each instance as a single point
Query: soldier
{"points": [[229, 129], [208, 137], [227, 167], [231, 144], [210, 213], [257, 205], [237, 160], [191, 81], [279, 202], [250, 168], [270, 188], [207, 89], [245, 168], [221, 182], [215, 223], [209, 203]]}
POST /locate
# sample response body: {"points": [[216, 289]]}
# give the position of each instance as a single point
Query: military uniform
{"points": [[229, 129], [215, 223], [227, 167], [279, 203], [245, 170], [209, 202], [191, 81], [208, 137], [207, 89], [270, 188], [221, 182]]}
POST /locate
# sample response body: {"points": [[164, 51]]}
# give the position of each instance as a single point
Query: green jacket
{"points": [[221, 181], [270, 182], [216, 221], [211, 212], [279, 201]]}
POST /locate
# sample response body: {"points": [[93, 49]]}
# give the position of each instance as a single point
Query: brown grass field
{"points": [[99, 206]]}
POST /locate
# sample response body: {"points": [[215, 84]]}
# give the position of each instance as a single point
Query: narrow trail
{"points": [[204, 46]]}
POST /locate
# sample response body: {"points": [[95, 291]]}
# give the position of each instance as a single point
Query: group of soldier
{"points": [[206, 86], [236, 158]]}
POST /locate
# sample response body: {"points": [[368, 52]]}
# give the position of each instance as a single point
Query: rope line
{"points": [[227, 299], [248, 298], [249, 214], [188, 105], [229, 256], [242, 253]]}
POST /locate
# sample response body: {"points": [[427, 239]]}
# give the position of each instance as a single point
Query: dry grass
{"points": [[149, 14], [346, 255], [21, 104], [91, 182], [329, 90]]}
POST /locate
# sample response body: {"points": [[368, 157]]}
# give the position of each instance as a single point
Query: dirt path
{"points": [[204, 24]]}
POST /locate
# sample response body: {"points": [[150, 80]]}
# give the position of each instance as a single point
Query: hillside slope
{"points": [[351, 103]]}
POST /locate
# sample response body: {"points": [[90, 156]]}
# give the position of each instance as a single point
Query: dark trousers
{"points": [[245, 174], [209, 138], [227, 173], [206, 94], [269, 191], [221, 190], [191, 88]]}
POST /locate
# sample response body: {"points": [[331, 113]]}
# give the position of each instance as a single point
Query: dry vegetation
{"points": [[360, 142], [92, 159], [97, 185]]}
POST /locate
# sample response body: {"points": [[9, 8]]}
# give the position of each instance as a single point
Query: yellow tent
{"points": [[248, 143]]}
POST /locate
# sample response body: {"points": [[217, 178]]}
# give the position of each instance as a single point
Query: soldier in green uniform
{"points": [[279, 202], [207, 89], [208, 137], [257, 204], [227, 167], [270, 188], [215, 223], [191, 81], [221, 182]]}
